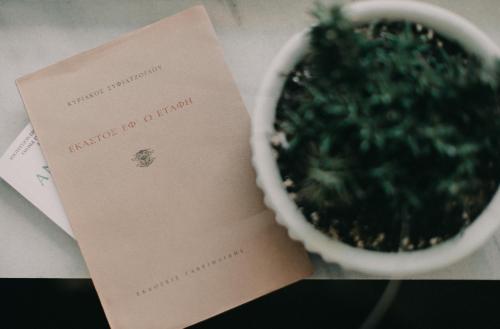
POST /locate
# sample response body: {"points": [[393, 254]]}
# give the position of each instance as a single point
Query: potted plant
{"points": [[375, 137]]}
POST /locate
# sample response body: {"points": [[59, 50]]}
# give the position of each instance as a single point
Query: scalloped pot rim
{"points": [[269, 179]]}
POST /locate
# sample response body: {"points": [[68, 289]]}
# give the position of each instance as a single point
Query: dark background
{"points": [[70, 303]]}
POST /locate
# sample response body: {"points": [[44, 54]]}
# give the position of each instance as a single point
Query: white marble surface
{"points": [[35, 33]]}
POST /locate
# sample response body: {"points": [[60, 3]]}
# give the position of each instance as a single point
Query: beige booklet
{"points": [[147, 140]]}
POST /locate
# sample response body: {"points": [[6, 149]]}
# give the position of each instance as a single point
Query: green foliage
{"points": [[392, 133]]}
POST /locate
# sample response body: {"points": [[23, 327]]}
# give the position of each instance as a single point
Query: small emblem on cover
{"points": [[144, 158]]}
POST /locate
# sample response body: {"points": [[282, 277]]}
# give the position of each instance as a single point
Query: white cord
{"points": [[382, 305]]}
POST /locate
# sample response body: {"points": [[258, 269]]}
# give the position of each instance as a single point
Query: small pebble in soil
{"points": [[405, 242], [279, 138], [333, 233], [288, 183], [315, 217], [380, 237], [434, 241]]}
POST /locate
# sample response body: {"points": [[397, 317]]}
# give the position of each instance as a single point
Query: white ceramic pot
{"points": [[269, 179]]}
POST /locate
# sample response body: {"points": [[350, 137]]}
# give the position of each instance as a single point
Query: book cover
{"points": [[147, 141]]}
